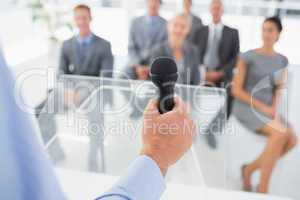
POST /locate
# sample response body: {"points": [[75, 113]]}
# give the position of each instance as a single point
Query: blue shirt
{"points": [[26, 173], [86, 40], [83, 47]]}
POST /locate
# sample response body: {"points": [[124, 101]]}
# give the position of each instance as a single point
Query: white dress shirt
{"points": [[211, 57], [215, 29]]}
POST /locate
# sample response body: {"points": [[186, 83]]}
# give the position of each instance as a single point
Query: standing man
{"points": [[219, 48], [145, 32], [196, 22], [85, 54]]}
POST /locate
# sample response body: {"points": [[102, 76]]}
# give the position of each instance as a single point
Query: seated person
{"points": [[86, 55], [258, 84], [195, 20], [145, 32], [218, 47], [176, 47]]}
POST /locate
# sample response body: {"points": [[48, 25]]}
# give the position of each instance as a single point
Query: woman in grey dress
{"points": [[259, 77]]}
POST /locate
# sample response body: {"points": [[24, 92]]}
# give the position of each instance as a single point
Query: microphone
{"points": [[163, 74]]}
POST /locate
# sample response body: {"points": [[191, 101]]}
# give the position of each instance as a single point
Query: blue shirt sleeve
{"points": [[23, 161], [144, 181]]}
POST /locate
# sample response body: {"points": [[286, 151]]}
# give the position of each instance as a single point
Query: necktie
{"points": [[212, 57], [151, 30], [83, 48]]}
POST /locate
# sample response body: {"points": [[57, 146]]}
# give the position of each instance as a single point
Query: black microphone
{"points": [[164, 75]]}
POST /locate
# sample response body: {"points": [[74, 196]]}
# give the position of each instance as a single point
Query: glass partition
{"points": [[94, 125]]}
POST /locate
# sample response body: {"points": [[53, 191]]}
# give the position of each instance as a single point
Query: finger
{"points": [[188, 108], [193, 128], [179, 108], [179, 111], [152, 108], [180, 105]]}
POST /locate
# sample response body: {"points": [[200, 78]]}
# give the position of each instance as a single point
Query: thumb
{"points": [[151, 108]]}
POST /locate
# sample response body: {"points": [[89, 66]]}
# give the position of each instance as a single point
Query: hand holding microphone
{"points": [[166, 137], [168, 129]]}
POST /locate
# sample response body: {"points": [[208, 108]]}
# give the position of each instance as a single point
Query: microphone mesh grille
{"points": [[163, 66]]}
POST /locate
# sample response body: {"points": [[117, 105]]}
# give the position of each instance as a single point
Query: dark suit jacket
{"points": [[196, 25], [228, 50], [99, 59], [191, 72], [139, 43]]}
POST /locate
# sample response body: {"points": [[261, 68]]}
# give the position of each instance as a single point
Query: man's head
{"points": [[178, 28], [153, 7], [83, 18], [216, 10], [187, 6]]}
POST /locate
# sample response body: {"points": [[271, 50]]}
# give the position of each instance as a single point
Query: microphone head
{"points": [[163, 72], [164, 75], [163, 66]]}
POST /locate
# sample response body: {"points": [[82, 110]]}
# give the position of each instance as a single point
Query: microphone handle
{"points": [[166, 99]]}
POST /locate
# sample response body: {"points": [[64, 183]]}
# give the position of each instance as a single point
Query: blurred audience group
{"points": [[205, 54]]}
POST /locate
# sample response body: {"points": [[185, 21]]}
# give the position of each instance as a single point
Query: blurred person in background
{"points": [[219, 47], [85, 54], [196, 22], [260, 77], [178, 48], [145, 32]]}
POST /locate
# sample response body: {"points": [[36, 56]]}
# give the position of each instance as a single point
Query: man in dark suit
{"points": [[219, 48], [196, 22], [145, 32], [85, 55]]}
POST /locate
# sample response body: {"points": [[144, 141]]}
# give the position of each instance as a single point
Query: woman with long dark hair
{"points": [[260, 76]]}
